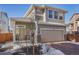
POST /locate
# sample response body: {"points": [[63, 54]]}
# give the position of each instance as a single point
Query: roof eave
{"points": [[33, 6]]}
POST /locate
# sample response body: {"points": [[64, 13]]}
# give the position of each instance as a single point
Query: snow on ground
{"points": [[48, 50], [6, 45]]}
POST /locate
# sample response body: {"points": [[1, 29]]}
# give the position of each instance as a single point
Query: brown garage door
{"points": [[52, 35]]}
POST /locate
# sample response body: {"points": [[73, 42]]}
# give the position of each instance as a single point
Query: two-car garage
{"points": [[52, 34]]}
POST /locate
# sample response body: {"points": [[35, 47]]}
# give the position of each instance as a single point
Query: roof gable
{"points": [[75, 16], [43, 7]]}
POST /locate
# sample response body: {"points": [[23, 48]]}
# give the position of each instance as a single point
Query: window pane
{"points": [[50, 16], [55, 14], [61, 17], [50, 13]]}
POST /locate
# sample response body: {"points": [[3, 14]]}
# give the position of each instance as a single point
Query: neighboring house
{"points": [[50, 22], [68, 28], [74, 22], [4, 22], [72, 28]]}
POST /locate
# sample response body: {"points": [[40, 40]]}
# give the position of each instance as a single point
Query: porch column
{"points": [[14, 35], [44, 16], [13, 30], [36, 31]]}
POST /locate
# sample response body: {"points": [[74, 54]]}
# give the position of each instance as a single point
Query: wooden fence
{"points": [[71, 37], [4, 37]]}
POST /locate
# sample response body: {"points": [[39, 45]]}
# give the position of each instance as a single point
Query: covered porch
{"points": [[23, 30]]}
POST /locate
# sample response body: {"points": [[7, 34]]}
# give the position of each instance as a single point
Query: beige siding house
{"points": [[74, 22], [50, 21]]}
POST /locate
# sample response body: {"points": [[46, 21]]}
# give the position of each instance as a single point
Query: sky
{"points": [[18, 10]]}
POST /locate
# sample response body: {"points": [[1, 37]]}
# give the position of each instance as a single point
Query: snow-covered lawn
{"points": [[48, 50]]}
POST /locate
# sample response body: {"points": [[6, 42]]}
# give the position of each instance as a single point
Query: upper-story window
{"points": [[61, 17], [50, 15], [55, 15], [39, 11]]}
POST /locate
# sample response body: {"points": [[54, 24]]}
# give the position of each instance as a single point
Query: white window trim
{"points": [[48, 15], [53, 15], [58, 15]]}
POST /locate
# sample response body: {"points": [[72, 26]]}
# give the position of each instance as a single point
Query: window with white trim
{"points": [[60, 17], [55, 15], [50, 15]]}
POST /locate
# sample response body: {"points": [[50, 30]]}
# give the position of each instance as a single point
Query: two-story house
{"points": [[4, 22], [74, 23], [50, 21]]}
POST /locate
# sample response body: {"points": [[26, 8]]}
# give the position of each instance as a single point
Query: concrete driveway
{"points": [[67, 48]]}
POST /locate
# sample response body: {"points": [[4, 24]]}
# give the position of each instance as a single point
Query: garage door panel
{"points": [[51, 35]]}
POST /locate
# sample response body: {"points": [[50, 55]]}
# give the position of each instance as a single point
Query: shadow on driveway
{"points": [[67, 48]]}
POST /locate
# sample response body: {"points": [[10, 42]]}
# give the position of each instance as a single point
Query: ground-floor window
{"points": [[23, 32]]}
